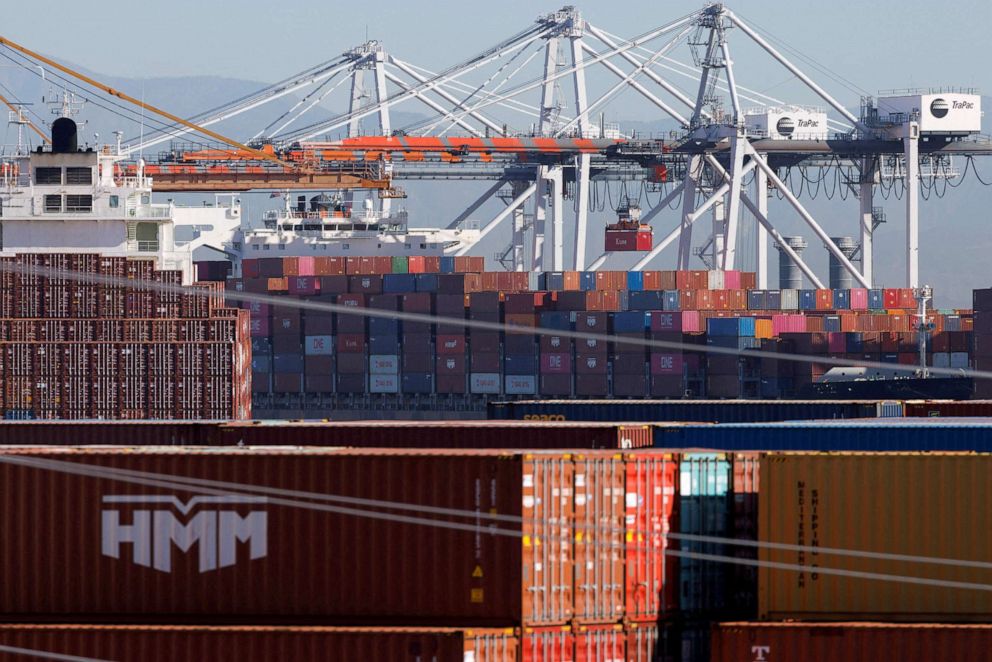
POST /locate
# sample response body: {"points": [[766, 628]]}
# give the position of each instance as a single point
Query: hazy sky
{"points": [[877, 44], [863, 47]]}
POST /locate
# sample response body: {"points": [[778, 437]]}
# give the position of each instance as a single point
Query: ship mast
{"points": [[923, 295]]}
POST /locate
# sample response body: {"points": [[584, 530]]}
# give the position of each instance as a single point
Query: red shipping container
{"points": [[450, 344], [329, 266], [250, 269], [450, 383], [651, 578], [350, 343], [891, 298], [599, 541], [628, 240], [599, 643], [157, 643], [828, 642], [907, 300], [547, 644], [382, 265], [432, 264], [652, 281], [353, 266], [642, 641], [591, 364], [824, 299], [304, 284], [415, 264]]}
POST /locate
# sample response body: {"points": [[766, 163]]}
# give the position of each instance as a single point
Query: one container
{"points": [[704, 507], [219, 643], [903, 504], [827, 642], [651, 578], [167, 552]]}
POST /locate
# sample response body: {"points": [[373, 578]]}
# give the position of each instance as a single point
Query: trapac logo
{"points": [[939, 108], [153, 532], [786, 126]]}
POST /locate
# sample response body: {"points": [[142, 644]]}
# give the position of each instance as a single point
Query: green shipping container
{"points": [[401, 265]]}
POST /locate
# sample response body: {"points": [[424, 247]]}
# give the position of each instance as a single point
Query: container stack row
{"points": [[982, 345], [90, 336], [518, 342]]}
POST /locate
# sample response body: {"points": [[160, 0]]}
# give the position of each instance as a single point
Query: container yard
{"points": [[479, 358]]}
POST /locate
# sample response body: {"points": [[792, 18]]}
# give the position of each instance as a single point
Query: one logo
{"points": [[760, 652], [590, 321], [450, 364], [808, 124], [591, 362], [939, 108], [786, 126], [152, 533]]}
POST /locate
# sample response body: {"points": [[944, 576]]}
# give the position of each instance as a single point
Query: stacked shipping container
{"points": [[412, 361], [76, 342]]}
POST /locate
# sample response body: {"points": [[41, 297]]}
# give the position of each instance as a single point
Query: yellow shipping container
{"points": [[924, 505]]}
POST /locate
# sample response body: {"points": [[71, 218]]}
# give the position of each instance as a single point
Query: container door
{"points": [[547, 534], [599, 539]]}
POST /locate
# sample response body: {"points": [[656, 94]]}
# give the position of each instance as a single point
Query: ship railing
{"points": [[143, 246], [133, 182], [151, 211]]}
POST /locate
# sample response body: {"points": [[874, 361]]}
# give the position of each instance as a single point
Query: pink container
{"points": [[258, 309], [788, 324], [859, 299], [692, 322], [556, 363], [667, 364], [732, 280], [306, 266], [837, 342]]}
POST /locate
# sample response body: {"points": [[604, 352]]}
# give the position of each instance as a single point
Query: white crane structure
{"points": [[536, 87]]}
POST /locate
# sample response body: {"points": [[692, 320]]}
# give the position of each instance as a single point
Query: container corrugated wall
{"points": [[115, 549], [704, 510], [248, 644], [912, 504], [851, 642]]}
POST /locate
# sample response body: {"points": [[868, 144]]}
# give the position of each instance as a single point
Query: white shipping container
{"points": [[959, 359], [384, 383], [790, 300], [318, 345], [484, 382], [716, 279], [521, 384], [384, 364]]}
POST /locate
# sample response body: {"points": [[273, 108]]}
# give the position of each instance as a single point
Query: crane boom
{"points": [[29, 122]]}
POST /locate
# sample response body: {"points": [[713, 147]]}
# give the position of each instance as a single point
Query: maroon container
{"points": [[630, 385], [350, 343], [483, 341], [591, 385], [317, 324], [628, 364], [669, 363], [353, 567], [485, 362], [557, 363], [555, 384], [591, 364], [345, 383], [283, 382], [318, 365], [449, 365], [450, 344], [451, 383], [351, 363], [319, 383], [419, 362], [365, 284], [555, 343], [591, 322], [333, 284]]}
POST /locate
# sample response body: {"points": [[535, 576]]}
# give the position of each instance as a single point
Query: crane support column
{"points": [[866, 195], [912, 154], [761, 234], [688, 203], [518, 227], [734, 203], [583, 160]]}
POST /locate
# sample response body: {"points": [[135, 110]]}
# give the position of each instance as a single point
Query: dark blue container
{"points": [[635, 281], [261, 346], [629, 322], [876, 300], [383, 326], [447, 264], [842, 299], [385, 344], [704, 510], [587, 281], [399, 283], [261, 362], [710, 411], [287, 363], [733, 342], [559, 321], [417, 382], [646, 301], [730, 326], [807, 299], [427, 282], [855, 343], [773, 299], [887, 434], [517, 364], [757, 300], [671, 300], [551, 281], [831, 324]]}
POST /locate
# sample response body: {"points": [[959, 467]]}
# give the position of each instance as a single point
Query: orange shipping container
{"points": [[278, 285], [669, 281], [164, 552], [168, 643], [926, 505], [572, 281], [852, 642], [652, 281]]}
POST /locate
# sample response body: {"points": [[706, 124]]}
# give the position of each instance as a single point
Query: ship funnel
{"points": [[63, 136], [790, 277], [840, 278]]}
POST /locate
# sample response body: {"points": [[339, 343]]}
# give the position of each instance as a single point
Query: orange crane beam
{"points": [[30, 123], [187, 178]]}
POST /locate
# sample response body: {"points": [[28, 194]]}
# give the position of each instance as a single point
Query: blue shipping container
{"points": [[520, 364], [876, 300], [384, 344], [855, 343], [831, 324], [559, 321], [399, 283], [842, 299], [549, 281], [629, 322], [426, 282], [635, 281], [885, 434], [807, 299], [730, 326], [417, 382], [757, 300], [587, 281], [734, 342], [773, 300], [384, 326], [447, 264], [261, 363], [672, 300], [646, 301], [287, 363]]}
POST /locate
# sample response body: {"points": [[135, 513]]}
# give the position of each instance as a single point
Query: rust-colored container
{"points": [[854, 642], [120, 550], [599, 643], [599, 537], [168, 643], [925, 505], [547, 644], [642, 641], [651, 577], [949, 408]]}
